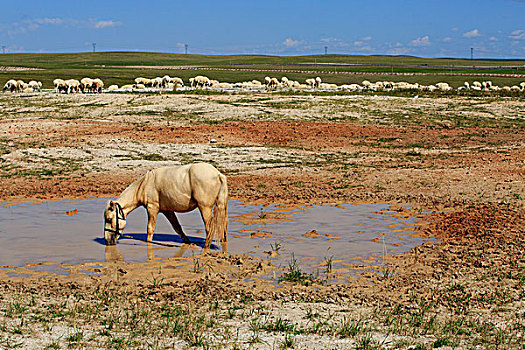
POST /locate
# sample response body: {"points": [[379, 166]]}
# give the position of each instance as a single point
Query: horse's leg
{"points": [[172, 218], [152, 220], [206, 217]]}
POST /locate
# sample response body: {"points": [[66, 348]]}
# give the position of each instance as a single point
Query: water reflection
{"points": [[347, 234]]}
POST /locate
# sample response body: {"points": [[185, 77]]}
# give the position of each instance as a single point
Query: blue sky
{"points": [[427, 28]]}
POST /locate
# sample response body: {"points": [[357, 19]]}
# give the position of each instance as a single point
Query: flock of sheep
{"points": [[88, 85], [20, 86]]}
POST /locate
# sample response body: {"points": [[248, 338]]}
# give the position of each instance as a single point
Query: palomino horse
{"points": [[173, 190]]}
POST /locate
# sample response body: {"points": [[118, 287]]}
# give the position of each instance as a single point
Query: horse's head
{"points": [[114, 222]]}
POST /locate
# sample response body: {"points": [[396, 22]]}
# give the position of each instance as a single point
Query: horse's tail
{"points": [[219, 218]]}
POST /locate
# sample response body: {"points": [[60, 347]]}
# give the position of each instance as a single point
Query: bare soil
{"points": [[462, 160]]}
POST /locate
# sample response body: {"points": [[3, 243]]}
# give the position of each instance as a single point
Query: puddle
{"points": [[344, 234]]}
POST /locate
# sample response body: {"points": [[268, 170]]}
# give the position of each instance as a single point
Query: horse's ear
{"points": [[111, 205]]}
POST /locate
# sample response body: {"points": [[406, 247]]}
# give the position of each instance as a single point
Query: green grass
{"points": [[113, 67]]}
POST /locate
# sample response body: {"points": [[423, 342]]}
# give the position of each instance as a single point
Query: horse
{"points": [[171, 190]]}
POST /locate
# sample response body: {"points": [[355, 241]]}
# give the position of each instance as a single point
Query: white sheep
{"points": [[98, 85], [201, 81], [192, 82], [10, 85], [443, 86], [113, 88], [60, 85], [327, 86], [73, 85], [145, 81], [157, 82], [35, 85], [127, 87], [271, 82], [310, 82], [176, 80], [20, 85], [286, 82], [86, 85]]}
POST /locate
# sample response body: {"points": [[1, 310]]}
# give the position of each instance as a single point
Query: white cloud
{"points": [[493, 38], [398, 51], [329, 40], [56, 21], [358, 43], [289, 42], [367, 38], [105, 24], [472, 34], [33, 24], [518, 34], [447, 39], [422, 41]]}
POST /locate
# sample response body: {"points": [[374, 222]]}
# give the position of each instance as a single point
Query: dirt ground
{"points": [[461, 159]]}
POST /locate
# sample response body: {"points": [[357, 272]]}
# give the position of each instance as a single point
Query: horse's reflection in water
{"points": [[112, 254]]}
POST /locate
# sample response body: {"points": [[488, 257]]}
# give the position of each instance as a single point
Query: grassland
{"points": [[122, 67], [458, 156]]}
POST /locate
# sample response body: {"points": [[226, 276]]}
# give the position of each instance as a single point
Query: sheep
{"points": [[443, 86], [113, 88], [223, 86], [126, 87], [35, 85], [60, 85], [27, 89], [213, 83], [366, 84], [202, 81], [177, 81], [73, 85], [157, 82], [271, 82], [86, 85], [192, 82], [310, 82], [327, 86], [98, 85], [10, 85], [145, 81], [139, 86], [256, 83], [19, 85], [286, 83], [350, 87], [317, 82], [166, 80]]}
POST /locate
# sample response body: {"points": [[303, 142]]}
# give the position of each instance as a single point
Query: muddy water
{"points": [[69, 232]]}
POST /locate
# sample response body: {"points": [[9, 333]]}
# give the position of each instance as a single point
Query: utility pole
{"points": [[185, 49], [325, 50], [3, 48], [94, 44], [471, 53]]}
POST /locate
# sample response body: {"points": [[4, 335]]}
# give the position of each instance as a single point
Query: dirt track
{"points": [[463, 157]]}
